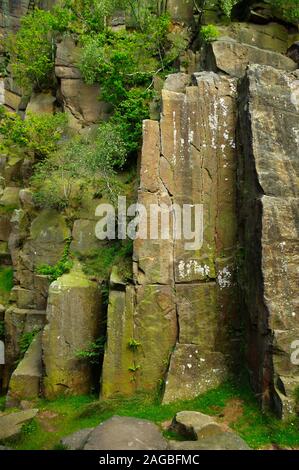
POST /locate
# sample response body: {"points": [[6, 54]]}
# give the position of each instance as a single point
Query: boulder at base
{"points": [[11, 423], [124, 433]]}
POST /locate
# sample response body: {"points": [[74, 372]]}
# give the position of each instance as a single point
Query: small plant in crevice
{"points": [[25, 341], [134, 345], [64, 265], [209, 33], [227, 6], [133, 369], [29, 428], [93, 351]]}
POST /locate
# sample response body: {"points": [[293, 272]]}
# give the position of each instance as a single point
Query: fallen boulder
{"points": [[195, 425], [77, 440], [224, 441], [11, 423], [125, 433]]}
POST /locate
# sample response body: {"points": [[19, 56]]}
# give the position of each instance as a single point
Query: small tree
{"points": [[62, 178], [32, 50]]}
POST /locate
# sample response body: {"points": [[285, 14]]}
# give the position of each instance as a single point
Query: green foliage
{"points": [[25, 341], [83, 162], [209, 33], [29, 428], [32, 50], [288, 8], [100, 262], [86, 16], [6, 279], [2, 403], [118, 61], [2, 329], [134, 345], [39, 133], [93, 352], [124, 63], [64, 265], [129, 117], [227, 6], [133, 369]]}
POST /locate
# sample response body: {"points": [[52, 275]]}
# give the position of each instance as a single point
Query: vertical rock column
{"points": [[184, 302], [198, 166], [73, 316], [269, 157]]}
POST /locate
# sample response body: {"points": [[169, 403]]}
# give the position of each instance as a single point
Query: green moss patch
{"points": [[66, 415], [6, 282]]}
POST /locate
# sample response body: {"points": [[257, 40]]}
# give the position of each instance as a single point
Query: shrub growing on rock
{"points": [[61, 179], [39, 133]]}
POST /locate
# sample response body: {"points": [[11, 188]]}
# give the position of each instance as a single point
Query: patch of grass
{"points": [[8, 208], [75, 413], [6, 282], [2, 403]]}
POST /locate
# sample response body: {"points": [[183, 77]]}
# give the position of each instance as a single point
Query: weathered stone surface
{"points": [[233, 57], [195, 425], [67, 57], [10, 17], [48, 234], [5, 227], [116, 377], [26, 198], [177, 82], [25, 382], [190, 158], [73, 316], [17, 322], [125, 433], [293, 52], [11, 424], [12, 168], [272, 36], [83, 101], [224, 441], [126, 370], [77, 440], [10, 197], [269, 108], [198, 314], [197, 135], [193, 372], [12, 100], [41, 103], [180, 10], [83, 237], [153, 257], [155, 313]]}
